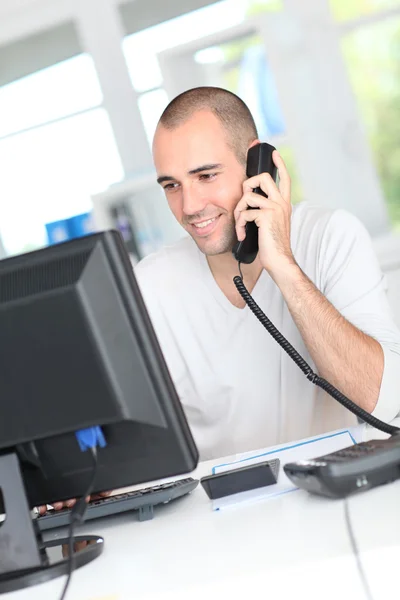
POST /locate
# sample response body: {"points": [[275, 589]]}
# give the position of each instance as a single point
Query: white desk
{"points": [[294, 546]]}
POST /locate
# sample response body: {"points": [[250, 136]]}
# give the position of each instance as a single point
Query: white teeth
{"points": [[204, 223]]}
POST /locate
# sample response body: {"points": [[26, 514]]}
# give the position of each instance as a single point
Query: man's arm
{"points": [[345, 356], [347, 327]]}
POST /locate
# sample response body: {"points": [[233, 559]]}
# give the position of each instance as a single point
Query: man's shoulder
{"points": [[309, 219], [168, 262], [325, 241]]}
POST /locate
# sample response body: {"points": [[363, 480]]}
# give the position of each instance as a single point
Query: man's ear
{"points": [[254, 143]]}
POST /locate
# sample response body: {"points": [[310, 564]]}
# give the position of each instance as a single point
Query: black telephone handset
{"points": [[259, 160]]}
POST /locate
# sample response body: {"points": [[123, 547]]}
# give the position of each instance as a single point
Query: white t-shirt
{"points": [[239, 389]]}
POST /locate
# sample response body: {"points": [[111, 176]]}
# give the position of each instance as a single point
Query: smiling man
{"points": [[316, 277]]}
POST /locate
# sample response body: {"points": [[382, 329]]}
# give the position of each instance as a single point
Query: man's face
{"points": [[202, 179]]}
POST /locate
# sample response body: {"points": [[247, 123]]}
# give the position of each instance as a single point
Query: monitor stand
{"points": [[23, 558]]}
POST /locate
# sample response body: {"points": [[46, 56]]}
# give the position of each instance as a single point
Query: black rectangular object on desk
{"points": [[240, 480]]}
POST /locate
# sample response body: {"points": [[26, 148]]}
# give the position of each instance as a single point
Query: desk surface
{"points": [[292, 546]]}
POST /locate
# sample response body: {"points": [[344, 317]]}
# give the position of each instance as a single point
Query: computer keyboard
{"points": [[143, 500]]}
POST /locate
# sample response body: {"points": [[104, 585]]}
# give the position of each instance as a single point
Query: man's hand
{"points": [[273, 218], [70, 503]]}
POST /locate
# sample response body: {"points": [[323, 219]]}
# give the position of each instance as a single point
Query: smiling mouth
{"points": [[204, 228], [204, 224]]}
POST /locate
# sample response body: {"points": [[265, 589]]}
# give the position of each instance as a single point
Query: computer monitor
{"points": [[77, 350]]}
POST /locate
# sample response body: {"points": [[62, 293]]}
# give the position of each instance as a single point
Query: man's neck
{"points": [[224, 267]]}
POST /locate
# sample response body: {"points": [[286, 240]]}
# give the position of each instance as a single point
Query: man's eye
{"points": [[208, 176], [170, 186]]}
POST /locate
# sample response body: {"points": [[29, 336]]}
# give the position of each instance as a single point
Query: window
{"points": [[151, 105], [145, 71], [372, 55], [296, 190], [344, 10], [242, 68], [56, 150], [61, 90]]}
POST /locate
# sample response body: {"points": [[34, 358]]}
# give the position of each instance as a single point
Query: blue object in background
{"points": [[69, 229], [57, 232], [258, 89], [80, 225]]}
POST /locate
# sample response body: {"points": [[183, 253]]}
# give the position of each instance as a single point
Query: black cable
{"points": [[305, 367], [356, 553], [240, 270], [77, 516]]}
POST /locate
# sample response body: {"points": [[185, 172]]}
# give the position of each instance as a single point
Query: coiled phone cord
{"points": [[305, 367]]}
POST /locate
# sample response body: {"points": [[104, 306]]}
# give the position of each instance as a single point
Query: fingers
{"points": [[245, 212], [250, 200], [99, 496], [268, 185], [246, 216], [71, 503], [56, 506], [66, 504], [105, 494]]}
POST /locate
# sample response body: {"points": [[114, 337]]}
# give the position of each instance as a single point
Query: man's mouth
{"points": [[205, 227], [204, 223]]}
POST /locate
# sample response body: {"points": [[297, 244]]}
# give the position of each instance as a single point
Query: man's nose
{"points": [[193, 202]]}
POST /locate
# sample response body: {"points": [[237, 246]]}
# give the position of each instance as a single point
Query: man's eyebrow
{"points": [[163, 178], [209, 167]]}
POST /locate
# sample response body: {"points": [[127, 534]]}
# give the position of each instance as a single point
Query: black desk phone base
{"points": [[348, 471]]}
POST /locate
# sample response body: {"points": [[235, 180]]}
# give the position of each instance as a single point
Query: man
{"points": [[316, 277]]}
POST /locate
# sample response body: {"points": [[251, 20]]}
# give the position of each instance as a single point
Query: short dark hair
{"points": [[233, 113]]}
